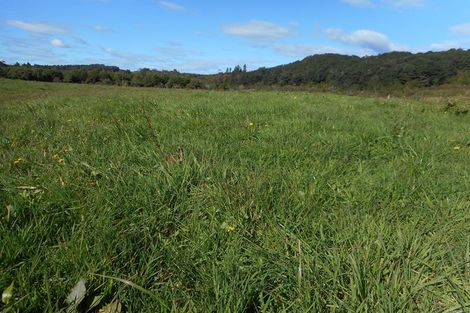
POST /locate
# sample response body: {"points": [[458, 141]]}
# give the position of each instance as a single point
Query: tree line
{"points": [[100, 74], [385, 71]]}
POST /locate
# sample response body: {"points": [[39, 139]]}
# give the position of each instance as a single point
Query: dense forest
{"points": [[332, 71]]}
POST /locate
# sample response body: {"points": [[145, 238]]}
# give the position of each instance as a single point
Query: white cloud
{"points": [[173, 50], [301, 51], [130, 56], [58, 43], [392, 3], [405, 3], [101, 29], [129, 60], [40, 28], [358, 3], [259, 30], [184, 63], [33, 49], [367, 39], [205, 66], [446, 45], [463, 29], [202, 66], [171, 6]]}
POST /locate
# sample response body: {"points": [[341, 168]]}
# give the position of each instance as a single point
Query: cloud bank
{"points": [[391, 3], [364, 38], [259, 30], [171, 6], [39, 28]]}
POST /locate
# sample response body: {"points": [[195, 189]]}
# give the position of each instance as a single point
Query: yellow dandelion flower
{"points": [[230, 228], [18, 161]]}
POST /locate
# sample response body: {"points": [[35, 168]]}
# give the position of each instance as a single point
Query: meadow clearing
{"points": [[209, 201]]}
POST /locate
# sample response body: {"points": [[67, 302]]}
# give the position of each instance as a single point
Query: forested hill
{"points": [[385, 71]]}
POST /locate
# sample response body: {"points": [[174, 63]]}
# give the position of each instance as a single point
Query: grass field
{"points": [[279, 202]]}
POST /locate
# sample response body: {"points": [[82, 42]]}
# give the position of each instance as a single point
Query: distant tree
{"points": [[75, 76], [93, 76], [195, 84]]}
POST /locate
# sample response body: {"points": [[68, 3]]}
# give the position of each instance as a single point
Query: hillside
{"points": [[385, 70]]}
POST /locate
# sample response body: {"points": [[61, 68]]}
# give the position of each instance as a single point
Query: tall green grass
{"points": [[324, 204]]}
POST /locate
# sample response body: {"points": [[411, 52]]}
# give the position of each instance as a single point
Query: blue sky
{"points": [[209, 36]]}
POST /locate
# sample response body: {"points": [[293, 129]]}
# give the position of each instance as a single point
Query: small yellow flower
{"points": [[230, 228], [18, 161], [250, 124], [58, 159]]}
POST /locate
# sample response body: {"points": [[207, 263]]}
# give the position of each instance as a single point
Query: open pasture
{"points": [[205, 201]]}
